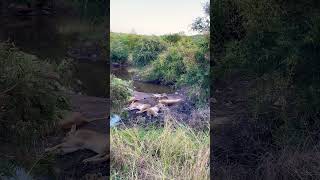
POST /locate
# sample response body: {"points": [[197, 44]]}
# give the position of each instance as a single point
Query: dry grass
{"points": [[172, 152]]}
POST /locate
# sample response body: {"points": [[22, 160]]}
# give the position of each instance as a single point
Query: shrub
{"points": [[30, 98], [120, 92], [183, 64], [172, 38], [119, 52], [146, 50]]}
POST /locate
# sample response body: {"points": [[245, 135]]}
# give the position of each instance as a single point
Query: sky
{"points": [[154, 17]]}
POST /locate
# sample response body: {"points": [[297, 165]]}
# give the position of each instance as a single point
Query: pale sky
{"points": [[156, 17]]}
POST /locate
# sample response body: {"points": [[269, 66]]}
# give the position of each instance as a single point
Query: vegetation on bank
{"points": [[172, 152], [173, 59], [120, 92], [275, 45], [31, 98]]}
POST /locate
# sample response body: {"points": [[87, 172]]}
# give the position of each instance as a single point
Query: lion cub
{"points": [[140, 106], [76, 118], [154, 111], [169, 102], [83, 139]]}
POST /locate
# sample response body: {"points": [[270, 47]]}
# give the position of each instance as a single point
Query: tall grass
{"points": [[172, 152]]}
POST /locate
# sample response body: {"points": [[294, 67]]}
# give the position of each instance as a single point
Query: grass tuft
{"points": [[172, 152]]}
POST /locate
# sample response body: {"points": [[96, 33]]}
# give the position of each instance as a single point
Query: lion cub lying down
{"points": [[76, 118], [140, 106], [154, 111], [162, 99], [83, 139]]}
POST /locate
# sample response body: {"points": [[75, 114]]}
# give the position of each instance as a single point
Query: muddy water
{"points": [[127, 73], [50, 38]]}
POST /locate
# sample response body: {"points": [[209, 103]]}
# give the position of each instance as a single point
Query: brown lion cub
{"points": [[160, 96], [169, 102], [154, 111], [140, 106], [83, 139]]}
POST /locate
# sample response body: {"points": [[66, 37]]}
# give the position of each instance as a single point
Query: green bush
{"points": [[183, 64], [30, 99], [146, 50], [120, 92], [119, 52], [172, 38]]}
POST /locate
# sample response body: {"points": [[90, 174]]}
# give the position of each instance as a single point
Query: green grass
{"points": [[172, 152]]}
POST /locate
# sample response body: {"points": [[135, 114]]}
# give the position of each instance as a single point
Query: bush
{"points": [[172, 38], [146, 50], [183, 64], [120, 92], [30, 98], [119, 52]]}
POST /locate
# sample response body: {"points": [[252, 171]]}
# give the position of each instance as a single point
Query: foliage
{"points": [[118, 52], [120, 92], [30, 97], [183, 64], [172, 38], [172, 152], [202, 24], [172, 59], [280, 46], [275, 44], [146, 50]]}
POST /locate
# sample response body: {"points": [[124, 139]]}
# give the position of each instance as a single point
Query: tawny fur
{"points": [[83, 139], [140, 106], [154, 111], [169, 102], [132, 99], [160, 96], [77, 119]]}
